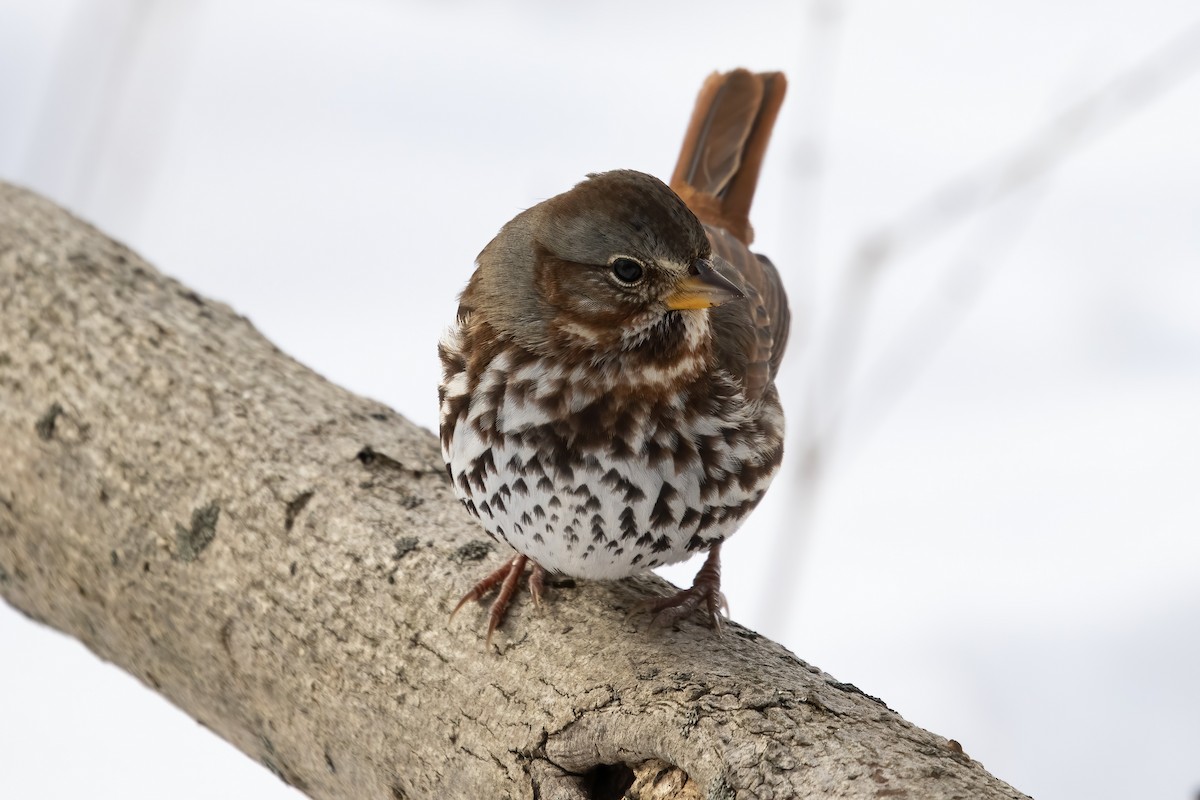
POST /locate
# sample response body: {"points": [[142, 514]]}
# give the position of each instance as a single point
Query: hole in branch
{"points": [[608, 781]]}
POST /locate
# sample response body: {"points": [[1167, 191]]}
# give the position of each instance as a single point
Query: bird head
{"points": [[616, 265]]}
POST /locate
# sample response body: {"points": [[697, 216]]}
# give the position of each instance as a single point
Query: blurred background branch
{"points": [[833, 361]]}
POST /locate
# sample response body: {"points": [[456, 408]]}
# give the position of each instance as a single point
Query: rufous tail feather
{"points": [[723, 148]]}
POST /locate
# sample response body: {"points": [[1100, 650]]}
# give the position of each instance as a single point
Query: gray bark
{"points": [[278, 557]]}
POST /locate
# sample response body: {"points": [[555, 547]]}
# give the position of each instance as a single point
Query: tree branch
{"points": [[278, 557]]}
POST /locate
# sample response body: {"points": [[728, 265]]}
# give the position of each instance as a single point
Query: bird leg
{"points": [[537, 584], [508, 576], [705, 591]]}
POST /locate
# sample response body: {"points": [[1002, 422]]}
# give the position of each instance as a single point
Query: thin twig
{"points": [[813, 96], [966, 197], [813, 93], [932, 324]]}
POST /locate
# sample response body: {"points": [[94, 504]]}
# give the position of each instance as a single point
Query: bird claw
{"points": [[705, 593], [667, 611], [507, 576]]}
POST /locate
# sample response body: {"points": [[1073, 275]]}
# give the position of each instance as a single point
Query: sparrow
{"points": [[608, 400]]}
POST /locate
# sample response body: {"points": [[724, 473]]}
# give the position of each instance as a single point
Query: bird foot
{"points": [[704, 595], [507, 576], [670, 610]]}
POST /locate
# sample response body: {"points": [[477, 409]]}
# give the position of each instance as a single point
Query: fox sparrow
{"points": [[608, 401]]}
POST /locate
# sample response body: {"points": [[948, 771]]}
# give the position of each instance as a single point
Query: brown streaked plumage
{"points": [[608, 399]]}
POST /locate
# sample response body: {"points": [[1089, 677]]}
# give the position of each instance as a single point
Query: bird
{"points": [[608, 400]]}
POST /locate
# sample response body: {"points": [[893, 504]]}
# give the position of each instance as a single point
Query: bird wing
{"points": [[751, 335]]}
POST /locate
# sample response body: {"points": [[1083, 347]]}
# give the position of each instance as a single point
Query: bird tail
{"points": [[724, 146]]}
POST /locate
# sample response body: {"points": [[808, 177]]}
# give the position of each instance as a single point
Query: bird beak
{"points": [[704, 288]]}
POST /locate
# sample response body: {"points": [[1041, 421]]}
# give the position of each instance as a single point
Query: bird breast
{"points": [[592, 474]]}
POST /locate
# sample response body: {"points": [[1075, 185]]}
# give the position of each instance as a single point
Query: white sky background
{"points": [[1009, 556]]}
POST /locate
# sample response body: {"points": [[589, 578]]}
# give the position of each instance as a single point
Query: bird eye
{"points": [[626, 270]]}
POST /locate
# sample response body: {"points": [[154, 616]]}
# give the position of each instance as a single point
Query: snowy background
{"points": [[1006, 540]]}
